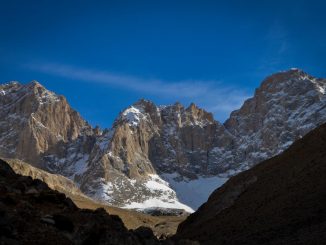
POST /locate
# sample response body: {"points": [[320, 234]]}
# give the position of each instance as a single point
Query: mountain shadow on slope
{"points": [[280, 201], [32, 213]]}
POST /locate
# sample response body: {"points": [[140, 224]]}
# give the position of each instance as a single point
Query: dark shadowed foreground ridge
{"points": [[31, 213], [280, 201]]}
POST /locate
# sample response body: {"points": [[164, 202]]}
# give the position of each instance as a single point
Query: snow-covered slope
{"points": [[158, 156], [193, 192], [165, 196]]}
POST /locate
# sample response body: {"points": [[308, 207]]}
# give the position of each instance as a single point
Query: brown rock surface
{"points": [[36, 121], [54, 181]]}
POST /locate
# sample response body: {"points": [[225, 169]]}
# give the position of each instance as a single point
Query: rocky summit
{"points": [[170, 157]]}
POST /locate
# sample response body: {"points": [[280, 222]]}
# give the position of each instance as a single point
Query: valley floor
{"points": [[162, 226]]}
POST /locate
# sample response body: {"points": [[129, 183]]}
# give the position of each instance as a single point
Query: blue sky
{"points": [[105, 55]]}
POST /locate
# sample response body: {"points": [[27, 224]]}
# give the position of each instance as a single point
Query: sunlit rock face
{"points": [[35, 121]]}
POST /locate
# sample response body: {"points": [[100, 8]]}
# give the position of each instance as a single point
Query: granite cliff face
{"points": [[285, 107], [145, 143], [158, 156], [34, 121]]}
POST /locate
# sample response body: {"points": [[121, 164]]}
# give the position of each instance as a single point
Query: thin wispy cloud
{"points": [[208, 94], [151, 86]]}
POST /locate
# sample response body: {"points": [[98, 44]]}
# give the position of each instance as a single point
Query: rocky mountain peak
{"points": [[292, 81], [192, 107], [143, 103], [41, 94], [287, 74], [178, 105], [34, 120], [151, 145], [138, 112], [284, 108], [145, 110], [281, 93], [8, 87], [133, 115], [198, 116], [35, 83], [30, 96]]}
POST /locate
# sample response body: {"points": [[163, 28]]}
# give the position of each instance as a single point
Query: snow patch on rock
{"points": [[158, 203], [133, 115]]}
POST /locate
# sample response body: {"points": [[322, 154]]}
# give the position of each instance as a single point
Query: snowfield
{"points": [[165, 196], [189, 194], [195, 192]]}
